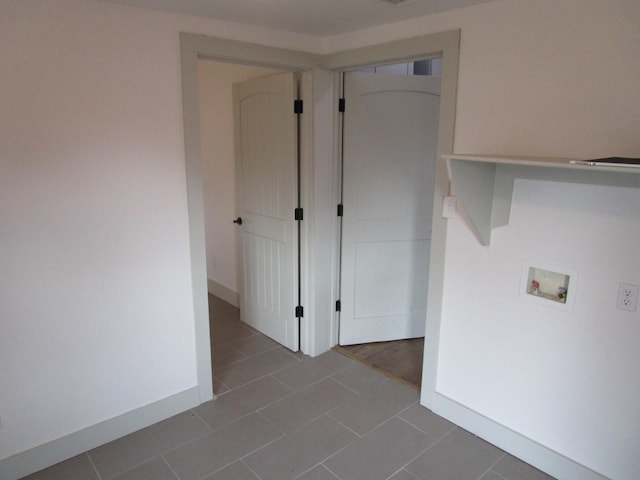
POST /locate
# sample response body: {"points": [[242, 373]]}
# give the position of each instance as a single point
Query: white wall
{"points": [[215, 80], [551, 78], [566, 379], [95, 293]]}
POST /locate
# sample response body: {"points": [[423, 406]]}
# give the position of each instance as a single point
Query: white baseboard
{"points": [[225, 293], [56, 451], [541, 457]]}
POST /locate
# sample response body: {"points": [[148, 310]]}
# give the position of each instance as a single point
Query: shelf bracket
{"points": [[484, 184]]}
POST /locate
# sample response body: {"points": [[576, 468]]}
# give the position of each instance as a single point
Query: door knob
{"points": [[238, 221]]}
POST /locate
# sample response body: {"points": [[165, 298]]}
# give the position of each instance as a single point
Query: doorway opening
{"points": [[390, 117], [320, 334], [216, 80]]}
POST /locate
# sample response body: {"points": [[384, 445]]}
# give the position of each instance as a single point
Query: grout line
{"points": [[228, 345], [137, 465], [328, 414], [220, 382], [173, 448], [413, 426], [426, 449], [330, 471], [170, 467], [94, 466], [345, 386], [283, 384], [277, 370], [264, 417], [490, 469], [254, 352], [319, 464], [249, 468], [424, 431], [241, 459], [401, 469], [413, 404], [195, 414], [317, 382], [231, 389]]}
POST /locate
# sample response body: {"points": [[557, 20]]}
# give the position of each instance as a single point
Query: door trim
{"points": [[192, 47]]}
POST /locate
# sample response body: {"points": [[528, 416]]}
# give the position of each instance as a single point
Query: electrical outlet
{"points": [[627, 297], [449, 206]]}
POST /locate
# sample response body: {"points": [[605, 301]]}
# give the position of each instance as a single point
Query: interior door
{"points": [[266, 178], [390, 137]]}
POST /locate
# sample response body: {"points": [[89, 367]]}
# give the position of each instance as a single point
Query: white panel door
{"points": [[390, 131], [266, 179]]}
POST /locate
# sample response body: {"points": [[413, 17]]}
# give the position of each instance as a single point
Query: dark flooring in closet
{"points": [[399, 359]]}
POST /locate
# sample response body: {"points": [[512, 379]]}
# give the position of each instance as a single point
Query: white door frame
{"points": [[319, 333]]}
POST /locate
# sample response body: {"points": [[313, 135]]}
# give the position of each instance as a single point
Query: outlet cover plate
{"points": [[627, 297]]}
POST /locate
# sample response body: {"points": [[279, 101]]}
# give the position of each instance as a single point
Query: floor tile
{"points": [[424, 419], [246, 371], [76, 468], [306, 405], [218, 386], [312, 370], [318, 473], [225, 354], [296, 453], [380, 453], [235, 471], [141, 446], [491, 476], [217, 304], [403, 475], [221, 447], [224, 317], [514, 469], [254, 345], [156, 469], [229, 332], [359, 377], [368, 410], [241, 401], [457, 456]]}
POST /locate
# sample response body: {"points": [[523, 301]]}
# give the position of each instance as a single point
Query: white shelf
{"points": [[484, 183]]}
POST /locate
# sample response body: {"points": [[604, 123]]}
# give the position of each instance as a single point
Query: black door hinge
{"points": [[338, 306], [299, 311], [298, 214], [340, 210], [297, 107], [341, 105]]}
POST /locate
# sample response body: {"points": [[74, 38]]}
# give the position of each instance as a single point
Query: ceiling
{"points": [[313, 17]]}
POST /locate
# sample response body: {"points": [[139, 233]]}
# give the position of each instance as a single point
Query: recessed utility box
{"points": [[551, 286]]}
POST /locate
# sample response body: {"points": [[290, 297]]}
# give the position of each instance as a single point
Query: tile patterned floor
{"points": [[281, 416]]}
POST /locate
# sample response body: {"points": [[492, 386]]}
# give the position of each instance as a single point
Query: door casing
{"points": [[316, 335]]}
